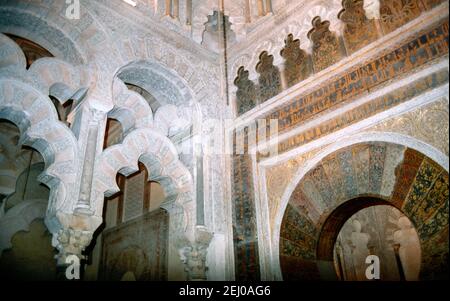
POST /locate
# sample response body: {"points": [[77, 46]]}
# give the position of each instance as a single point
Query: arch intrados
{"points": [[336, 220]]}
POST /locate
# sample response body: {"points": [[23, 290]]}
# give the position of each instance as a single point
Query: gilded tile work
{"points": [[358, 31], [377, 158], [345, 160], [405, 176], [437, 225], [297, 64], [344, 175], [322, 182], [431, 215], [333, 168], [437, 197], [361, 166], [427, 174], [341, 176], [269, 77], [309, 188], [301, 203], [327, 48], [427, 197]]}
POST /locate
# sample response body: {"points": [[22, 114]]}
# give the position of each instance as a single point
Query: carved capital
{"points": [[72, 233], [71, 242], [194, 255], [97, 115]]}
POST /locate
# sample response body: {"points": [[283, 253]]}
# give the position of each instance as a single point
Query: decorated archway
{"points": [[356, 177]]}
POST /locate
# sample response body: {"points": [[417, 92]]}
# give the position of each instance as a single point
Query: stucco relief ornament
{"points": [[359, 30], [423, 124], [353, 15], [326, 49], [246, 91], [399, 8], [395, 13], [269, 77], [296, 65]]}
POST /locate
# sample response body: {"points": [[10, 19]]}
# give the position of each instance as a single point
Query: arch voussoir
{"points": [[36, 117], [11, 54], [148, 146], [130, 108]]}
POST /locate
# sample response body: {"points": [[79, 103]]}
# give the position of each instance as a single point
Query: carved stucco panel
{"points": [[428, 124], [278, 178]]}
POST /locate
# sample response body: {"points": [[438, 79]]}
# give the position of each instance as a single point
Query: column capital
{"points": [[72, 233], [71, 242], [194, 255]]}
